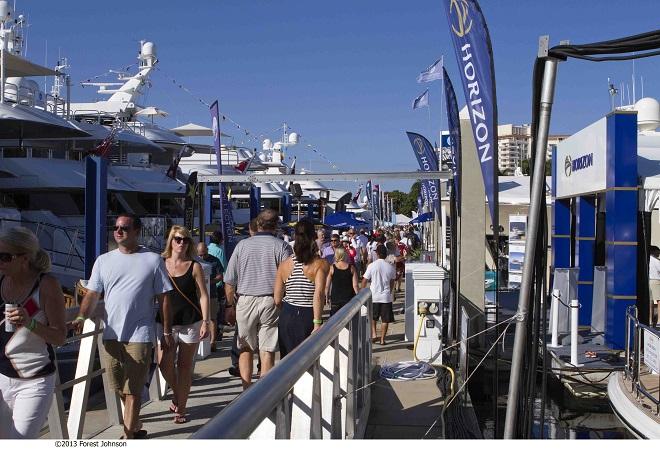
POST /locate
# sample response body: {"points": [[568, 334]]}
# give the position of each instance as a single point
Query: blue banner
{"points": [[454, 141], [376, 201], [474, 55], [189, 201], [428, 161], [226, 217]]}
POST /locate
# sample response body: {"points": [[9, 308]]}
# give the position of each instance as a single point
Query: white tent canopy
{"points": [[195, 130]]}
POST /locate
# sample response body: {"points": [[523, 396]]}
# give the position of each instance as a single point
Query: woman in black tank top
{"points": [[189, 302], [342, 282]]}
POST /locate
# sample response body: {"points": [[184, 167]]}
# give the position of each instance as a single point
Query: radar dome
{"points": [[148, 49], [5, 10], [648, 114], [267, 144], [293, 138]]}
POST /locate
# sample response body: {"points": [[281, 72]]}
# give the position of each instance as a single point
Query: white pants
{"points": [[24, 405]]}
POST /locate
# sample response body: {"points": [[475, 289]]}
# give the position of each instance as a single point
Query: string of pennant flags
{"points": [[109, 72], [257, 139]]}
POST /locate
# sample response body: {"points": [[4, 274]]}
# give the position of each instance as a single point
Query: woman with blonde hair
{"points": [[190, 317], [33, 320], [342, 282]]}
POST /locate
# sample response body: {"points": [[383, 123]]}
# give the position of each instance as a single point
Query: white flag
{"points": [[422, 100], [434, 72]]}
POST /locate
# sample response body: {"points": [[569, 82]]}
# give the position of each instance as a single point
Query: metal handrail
{"points": [[634, 358], [269, 399]]}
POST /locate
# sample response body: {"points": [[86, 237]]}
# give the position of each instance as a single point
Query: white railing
{"points": [[320, 390], [61, 425], [636, 333]]}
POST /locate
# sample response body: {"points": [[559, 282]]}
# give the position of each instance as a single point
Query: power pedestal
{"points": [[431, 287]]}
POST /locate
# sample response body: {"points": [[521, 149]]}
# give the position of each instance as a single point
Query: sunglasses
{"points": [[8, 257], [334, 240], [180, 239], [122, 228]]}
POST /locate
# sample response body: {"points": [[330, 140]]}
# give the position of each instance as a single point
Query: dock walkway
{"points": [[399, 410]]}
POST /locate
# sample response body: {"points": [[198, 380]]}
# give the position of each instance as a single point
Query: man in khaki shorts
{"points": [[130, 277], [249, 283]]}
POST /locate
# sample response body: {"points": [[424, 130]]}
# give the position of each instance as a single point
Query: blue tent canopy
{"points": [[422, 218], [343, 220]]}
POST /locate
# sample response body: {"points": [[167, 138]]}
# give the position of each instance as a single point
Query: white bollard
{"points": [[574, 332], [554, 308]]}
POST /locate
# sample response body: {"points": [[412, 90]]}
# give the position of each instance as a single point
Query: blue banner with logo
{"points": [[474, 55], [428, 161], [454, 141], [226, 217], [376, 201]]}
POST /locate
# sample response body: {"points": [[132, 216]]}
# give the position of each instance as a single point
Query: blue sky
{"points": [[341, 73]]}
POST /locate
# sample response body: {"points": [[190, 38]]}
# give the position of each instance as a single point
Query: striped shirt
{"points": [[299, 290], [253, 264]]}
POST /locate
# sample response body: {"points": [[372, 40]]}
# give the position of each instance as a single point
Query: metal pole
{"points": [[2, 64], [538, 189]]}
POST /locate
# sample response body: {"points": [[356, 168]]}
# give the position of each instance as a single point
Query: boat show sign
{"points": [[652, 350], [517, 239], [474, 55], [582, 161], [428, 161]]}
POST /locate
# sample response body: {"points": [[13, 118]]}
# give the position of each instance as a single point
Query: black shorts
{"points": [[384, 311]]}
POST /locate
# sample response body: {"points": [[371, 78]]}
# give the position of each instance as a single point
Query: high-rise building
{"points": [[514, 146]]}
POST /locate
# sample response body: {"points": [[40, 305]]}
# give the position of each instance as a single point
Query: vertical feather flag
{"points": [[474, 55]]}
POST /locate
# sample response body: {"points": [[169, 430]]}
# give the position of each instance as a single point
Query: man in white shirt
{"points": [[654, 283], [381, 276]]}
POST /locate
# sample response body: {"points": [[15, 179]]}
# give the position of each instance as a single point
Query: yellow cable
{"points": [[419, 331]]}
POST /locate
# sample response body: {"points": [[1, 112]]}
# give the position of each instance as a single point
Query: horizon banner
{"points": [[454, 126], [226, 217], [474, 55], [428, 161]]}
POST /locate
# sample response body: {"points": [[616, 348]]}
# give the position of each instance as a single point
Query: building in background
{"points": [[514, 146]]}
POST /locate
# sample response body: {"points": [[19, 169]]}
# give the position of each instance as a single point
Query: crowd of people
{"points": [[272, 290]]}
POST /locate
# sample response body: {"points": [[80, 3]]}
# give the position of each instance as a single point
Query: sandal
{"points": [[173, 407], [180, 418]]}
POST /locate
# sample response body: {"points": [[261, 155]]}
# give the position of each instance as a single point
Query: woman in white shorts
{"points": [[190, 317], [32, 306]]}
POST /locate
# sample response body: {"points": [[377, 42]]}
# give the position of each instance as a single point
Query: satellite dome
{"points": [[148, 49], [5, 10], [293, 138], [267, 145], [648, 114]]}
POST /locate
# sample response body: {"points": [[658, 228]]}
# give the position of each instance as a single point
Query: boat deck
{"points": [[636, 411]]}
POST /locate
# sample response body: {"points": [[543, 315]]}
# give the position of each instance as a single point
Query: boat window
{"points": [[74, 155], [14, 152], [42, 153]]}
